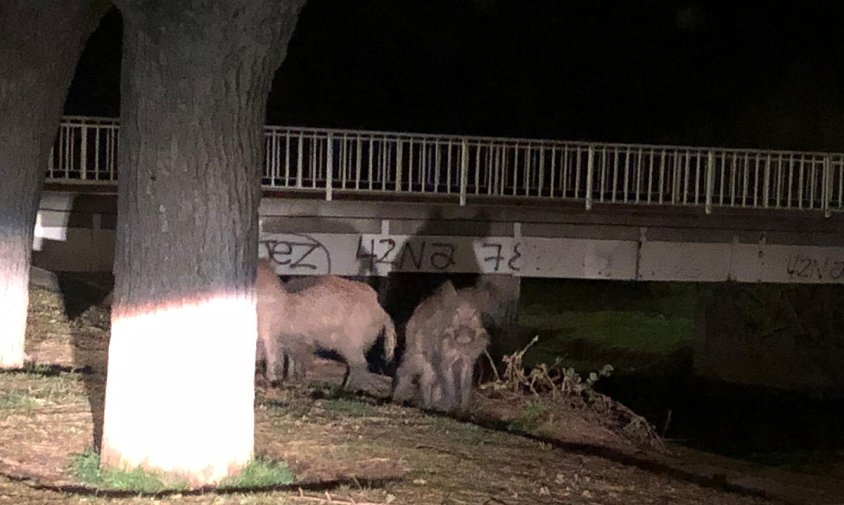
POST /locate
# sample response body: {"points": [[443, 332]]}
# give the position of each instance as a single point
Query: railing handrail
{"points": [[329, 159], [106, 120]]}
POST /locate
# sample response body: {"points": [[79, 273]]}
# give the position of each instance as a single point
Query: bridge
{"points": [[370, 203]]}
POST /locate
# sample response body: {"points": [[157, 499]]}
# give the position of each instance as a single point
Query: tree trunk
{"points": [[180, 387], [41, 43]]}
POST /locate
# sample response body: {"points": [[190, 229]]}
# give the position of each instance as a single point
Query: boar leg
{"points": [[466, 372], [356, 371], [299, 358], [268, 350]]}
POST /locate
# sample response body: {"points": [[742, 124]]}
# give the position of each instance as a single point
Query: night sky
{"points": [[725, 73]]}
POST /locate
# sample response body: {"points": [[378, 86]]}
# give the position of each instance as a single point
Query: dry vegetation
{"points": [[576, 448]]}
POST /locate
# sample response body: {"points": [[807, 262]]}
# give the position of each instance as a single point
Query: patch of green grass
{"points": [[588, 322], [260, 473], [348, 407], [16, 400], [530, 417], [23, 391], [39, 369], [464, 431], [86, 468], [630, 331]]}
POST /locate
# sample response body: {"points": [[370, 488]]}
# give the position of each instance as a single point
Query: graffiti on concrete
{"points": [[297, 253], [816, 268], [378, 253]]}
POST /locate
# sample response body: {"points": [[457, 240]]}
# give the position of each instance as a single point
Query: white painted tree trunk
{"points": [[180, 387], [40, 43]]}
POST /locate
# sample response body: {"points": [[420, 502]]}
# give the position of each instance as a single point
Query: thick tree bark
{"points": [[180, 388], [40, 43]]}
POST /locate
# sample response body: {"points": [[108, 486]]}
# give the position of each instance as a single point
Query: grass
{"points": [[530, 417], [23, 391], [86, 468], [581, 320], [16, 400], [346, 407], [259, 473]]}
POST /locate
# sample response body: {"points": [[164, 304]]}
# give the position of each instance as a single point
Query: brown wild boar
{"points": [[444, 337], [333, 314]]}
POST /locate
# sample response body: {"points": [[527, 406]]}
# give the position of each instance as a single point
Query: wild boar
{"points": [[333, 314], [444, 337]]}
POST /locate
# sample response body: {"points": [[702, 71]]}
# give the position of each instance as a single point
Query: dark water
{"points": [[758, 424]]}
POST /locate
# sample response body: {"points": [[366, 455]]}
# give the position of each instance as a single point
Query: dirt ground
{"points": [[360, 449]]}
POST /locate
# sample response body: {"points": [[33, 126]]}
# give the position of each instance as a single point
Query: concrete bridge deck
{"points": [[354, 234]]}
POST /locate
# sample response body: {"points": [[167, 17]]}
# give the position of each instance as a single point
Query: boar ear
{"points": [[447, 289]]}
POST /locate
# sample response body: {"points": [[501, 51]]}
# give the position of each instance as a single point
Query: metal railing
{"points": [[326, 160]]}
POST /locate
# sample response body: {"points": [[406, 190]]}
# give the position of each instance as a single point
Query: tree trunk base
{"points": [[171, 405]]}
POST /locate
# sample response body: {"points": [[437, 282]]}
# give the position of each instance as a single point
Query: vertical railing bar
{"points": [[564, 171], [553, 171], [490, 165], [464, 168], [756, 180], [733, 179], [384, 160], [590, 162], [840, 183], [710, 180], [744, 169], [540, 184], [577, 173], [436, 181], [603, 176], [275, 166], [314, 152], [270, 158], [661, 174], [66, 157], [494, 175], [790, 179], [370, 168], [379, 163], [299, 168], [107, 140], [477, 168], [614, 189], [515, 168], [423, 163], [676, 180], [766, 182], [329, 166], [827, 170], [342, 166], [527, 162], [286, 158], [812, 183], [639, 173], [448, 167], [400, 162], [358, 156], [698, 161], [650, 178], [800, 184], [97, 152]]}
